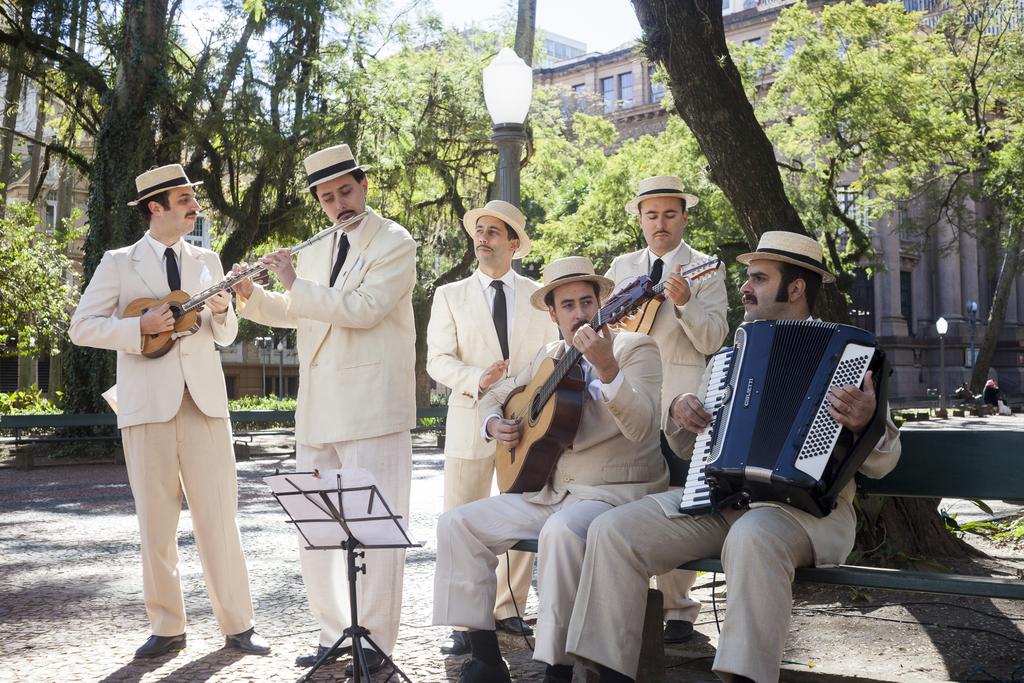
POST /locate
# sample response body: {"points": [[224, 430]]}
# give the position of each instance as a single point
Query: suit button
{"points": [[566, 479], [312, 365]]}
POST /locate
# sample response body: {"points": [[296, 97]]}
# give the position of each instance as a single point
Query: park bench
{"points": [[934, 463], [19, 423]]}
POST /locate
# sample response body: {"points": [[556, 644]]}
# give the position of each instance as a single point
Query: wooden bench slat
{"points": [[57, 420]]}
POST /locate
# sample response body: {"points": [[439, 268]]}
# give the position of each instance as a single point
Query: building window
{"points": [[903, 222], [626, 90], [848, 204], [231, 384], [43, 375], [753, 42], [580, 89], [51, 212], [8, 375], [789, 51], [200, 235], [608, 89], [906, 294], [657, 89], [293, 386], [862, 301]]}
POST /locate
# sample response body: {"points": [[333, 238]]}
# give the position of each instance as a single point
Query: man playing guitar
{"points": [[614, 458]]}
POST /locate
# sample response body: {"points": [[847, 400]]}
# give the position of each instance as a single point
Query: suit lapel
{"points": [[191, 269], [148, 268], [481, 312], [521, 327], [357, 246]]}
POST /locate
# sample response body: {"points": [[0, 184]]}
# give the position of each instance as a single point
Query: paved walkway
{"points": [[71, 607]]}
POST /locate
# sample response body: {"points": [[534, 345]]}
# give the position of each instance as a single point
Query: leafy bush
{"points": [[27, 402], [262, 403]]}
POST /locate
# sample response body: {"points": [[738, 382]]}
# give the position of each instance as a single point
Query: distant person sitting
{"points": [[991, 394], [965, 395]]}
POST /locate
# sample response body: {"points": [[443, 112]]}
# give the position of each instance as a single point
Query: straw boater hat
{"points": [[566, 270], [503, 211], [660, 186], [328, 164], [791, 248], [160, 179]]}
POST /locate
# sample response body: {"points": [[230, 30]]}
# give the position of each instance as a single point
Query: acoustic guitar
{"points": [[642, 319], [551, 406]]}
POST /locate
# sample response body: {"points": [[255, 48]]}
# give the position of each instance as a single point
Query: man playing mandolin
{"points": [[687, 325], [173, 411], [613, 458]]}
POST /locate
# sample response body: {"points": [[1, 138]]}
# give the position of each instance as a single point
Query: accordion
{"points": [[771, 437]]}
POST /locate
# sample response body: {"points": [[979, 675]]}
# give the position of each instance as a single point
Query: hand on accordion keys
{"points": [[852, 407], [688, 412]]}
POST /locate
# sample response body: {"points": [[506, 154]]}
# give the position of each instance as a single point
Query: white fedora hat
{"points": [[660, 186], [328, 164], [791, 248], [503, 211], [566, 270], [159, 179]]}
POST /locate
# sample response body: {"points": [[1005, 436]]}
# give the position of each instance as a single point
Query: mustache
{"points": [[342, 213], [483, 246], [580, 324], [750, 300]]}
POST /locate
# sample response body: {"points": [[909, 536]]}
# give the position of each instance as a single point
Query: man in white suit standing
{"points": [[173, 412], [351, 300], [688, 325], [482, 329]]}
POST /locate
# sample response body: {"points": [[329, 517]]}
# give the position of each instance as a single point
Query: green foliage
{"points": [[35, 294], [262, 403], [27, 402]]}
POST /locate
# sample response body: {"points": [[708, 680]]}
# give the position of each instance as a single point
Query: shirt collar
{"points": [[507, 279], [160, 248], [666, 259]]}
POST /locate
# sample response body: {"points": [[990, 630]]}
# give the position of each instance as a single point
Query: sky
{"points": [[601, 24]]}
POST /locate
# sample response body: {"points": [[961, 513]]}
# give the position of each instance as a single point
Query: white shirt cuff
{"points": [[609, 390]]}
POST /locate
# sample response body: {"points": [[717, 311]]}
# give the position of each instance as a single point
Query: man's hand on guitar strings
{"points": [[219, 302], [157, 320], [598, 350], [243, 288], [677, 288], [280, 264], [688, 412], [852, 407], [505, 432]]}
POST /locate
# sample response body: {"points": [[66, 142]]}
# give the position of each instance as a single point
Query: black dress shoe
{"points": [[677, 631], [158, 645], [249, 642], [478, 671], [514, 626], [313, 657], [457, 644], [374, 663]]}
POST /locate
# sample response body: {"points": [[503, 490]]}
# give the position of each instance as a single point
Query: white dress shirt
{"points": [[160, 248], [666, 259], [508, 284]]}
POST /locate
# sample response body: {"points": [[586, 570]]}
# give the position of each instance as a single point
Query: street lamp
{"points": [[972, 320], [261, 344], [508, 89], [280, 369], [941, 326]]}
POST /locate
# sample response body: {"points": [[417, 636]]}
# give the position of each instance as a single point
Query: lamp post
{"points": [[941, 326], [972, 320], [261, 344], [280, 369], [508, 90]]}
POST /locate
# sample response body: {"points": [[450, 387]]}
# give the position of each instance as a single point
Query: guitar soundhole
{"points": [[535, 409], [176, 311]]}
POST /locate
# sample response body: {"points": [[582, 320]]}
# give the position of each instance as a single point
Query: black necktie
{"points": [[173, 276], [500, 317], [342, 253], [656, 271]]}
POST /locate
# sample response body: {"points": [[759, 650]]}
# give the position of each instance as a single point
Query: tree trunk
{"points": [[125, 148], [526, 28], [997, 315], [12, 101], [687, 37]]}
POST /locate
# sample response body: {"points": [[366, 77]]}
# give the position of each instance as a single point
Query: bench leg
{"points": [[242, 451], [24, 460], [652, 647]]}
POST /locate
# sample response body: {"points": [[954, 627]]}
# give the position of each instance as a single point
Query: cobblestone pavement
{"points": [[71, 607]]}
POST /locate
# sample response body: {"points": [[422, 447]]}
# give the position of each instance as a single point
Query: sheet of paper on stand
{"points": [[326, 505]]}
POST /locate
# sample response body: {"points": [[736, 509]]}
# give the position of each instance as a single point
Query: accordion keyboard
{"points": [[713, 392]]}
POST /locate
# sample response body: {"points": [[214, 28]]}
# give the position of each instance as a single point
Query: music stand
{"points": [[343, 510]]}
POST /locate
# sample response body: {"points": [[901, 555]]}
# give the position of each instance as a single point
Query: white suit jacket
{"points": [[684, 333], [616, 455], [462, 342], [356, 340], [150, 389]]}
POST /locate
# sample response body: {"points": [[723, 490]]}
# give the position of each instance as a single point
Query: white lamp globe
{"points": [[941, 326], [508, 87]]}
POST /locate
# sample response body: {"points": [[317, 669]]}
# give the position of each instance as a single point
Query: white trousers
{"points": [[627, 546], [325, 572], [466, 481], [468, 539], [190, 454]]}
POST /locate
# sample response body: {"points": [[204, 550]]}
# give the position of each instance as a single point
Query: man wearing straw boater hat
{"points": [[173, 412], [615, 457], [688, 325], [351, 300], [760, 547], [481, 329]]}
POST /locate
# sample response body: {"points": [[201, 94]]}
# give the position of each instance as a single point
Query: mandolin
{"points": [[551, 406], [641, 319], [185, 309]]}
